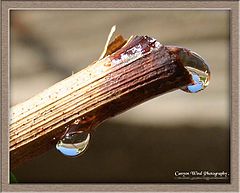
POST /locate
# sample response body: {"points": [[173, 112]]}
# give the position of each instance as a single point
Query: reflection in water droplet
{"points": [[199, 70], [196, 87], [73, 144]]}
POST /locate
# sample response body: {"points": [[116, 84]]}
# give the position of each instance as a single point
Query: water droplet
{"points": [[73, 144], [198, 68]]}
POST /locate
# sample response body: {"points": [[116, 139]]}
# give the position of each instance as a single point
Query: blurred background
{"points": [[174, 132]]}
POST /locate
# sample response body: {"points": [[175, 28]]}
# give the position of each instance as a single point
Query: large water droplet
{"points": [[198, 68], [73, 144]]}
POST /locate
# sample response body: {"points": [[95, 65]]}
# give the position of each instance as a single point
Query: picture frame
{"points": [[231, 6]]}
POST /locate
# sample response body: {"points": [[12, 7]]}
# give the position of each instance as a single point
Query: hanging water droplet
{"points": [[198, 68], [73, 144]]}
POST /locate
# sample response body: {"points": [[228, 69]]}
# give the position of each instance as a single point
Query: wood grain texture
{"points": [[139, 71]]}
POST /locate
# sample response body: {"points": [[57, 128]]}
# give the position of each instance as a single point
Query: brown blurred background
{"points": [[176, 131]]}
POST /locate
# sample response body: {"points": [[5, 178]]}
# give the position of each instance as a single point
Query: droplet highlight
{"points": [[73, 144]]}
